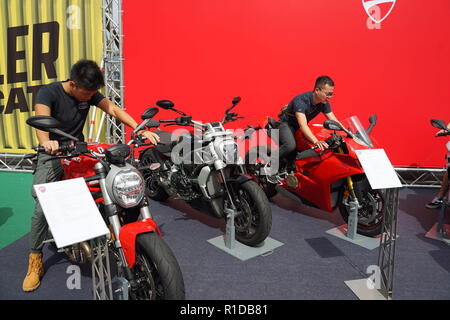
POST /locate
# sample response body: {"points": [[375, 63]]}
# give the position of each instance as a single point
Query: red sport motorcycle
{"points": [[330, 179], [144, 261]]}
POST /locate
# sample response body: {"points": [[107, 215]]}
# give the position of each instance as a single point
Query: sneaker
{"points": [[436, 203]]}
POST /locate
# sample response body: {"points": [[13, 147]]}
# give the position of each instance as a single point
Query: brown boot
{"points": [[35, 272]]}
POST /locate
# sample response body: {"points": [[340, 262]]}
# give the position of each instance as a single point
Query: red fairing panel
{"points": [[128, 235]]}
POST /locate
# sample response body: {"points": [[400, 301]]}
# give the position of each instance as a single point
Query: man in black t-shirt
{"points": [[68, 102], [302, 109]]}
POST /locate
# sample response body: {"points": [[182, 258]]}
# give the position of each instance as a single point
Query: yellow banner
{"points": [[39, 41]]}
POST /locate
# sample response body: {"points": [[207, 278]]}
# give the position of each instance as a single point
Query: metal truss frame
{"points": [[15, 162], [113, 65], [420, 177], [386, 256], [101, 271]]}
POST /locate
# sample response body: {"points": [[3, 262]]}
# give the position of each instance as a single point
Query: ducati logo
{"points": [[382, 9]]}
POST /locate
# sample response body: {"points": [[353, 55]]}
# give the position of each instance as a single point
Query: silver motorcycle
{"points": [[205, 170]]}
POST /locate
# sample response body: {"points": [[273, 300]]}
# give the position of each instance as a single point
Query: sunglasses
{"points": [[328, 94]]}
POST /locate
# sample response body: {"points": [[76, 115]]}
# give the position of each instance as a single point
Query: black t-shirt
{"points": [[303, 103], [66, 109]]}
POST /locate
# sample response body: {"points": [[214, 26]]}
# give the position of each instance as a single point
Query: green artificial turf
{"points": [[16, 206]]}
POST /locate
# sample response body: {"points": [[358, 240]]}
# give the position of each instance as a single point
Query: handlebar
{"points": [[64, 149], [139, 141], [231, 117], [70, 151], [184, 120]]}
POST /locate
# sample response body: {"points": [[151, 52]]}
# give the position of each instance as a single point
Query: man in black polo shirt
{"points": [[301, 110], [69, 102]]}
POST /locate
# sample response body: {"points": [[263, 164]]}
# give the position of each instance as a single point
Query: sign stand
{"points": [[381, 175], [238, 250], [81, 222], [101, 272], [382, 287], [349, 233]]}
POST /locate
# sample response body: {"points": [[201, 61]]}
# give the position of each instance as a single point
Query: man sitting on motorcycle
{"points": [[437, 200], [296, 115], [68, 102]]}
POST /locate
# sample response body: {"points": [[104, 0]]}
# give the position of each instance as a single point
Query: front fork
{"points": [[350, 187], [111, 213], [228, 190]]}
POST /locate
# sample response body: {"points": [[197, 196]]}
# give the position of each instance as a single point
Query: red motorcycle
{"points": [[144, 261], [328, 179]]}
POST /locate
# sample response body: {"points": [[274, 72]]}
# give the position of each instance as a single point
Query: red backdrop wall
{"points": [[202, 53]]}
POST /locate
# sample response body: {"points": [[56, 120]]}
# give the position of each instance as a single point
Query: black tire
{"points": [[262, 156], [370, 200], [156, 270], [152, 188], [254, 224]]}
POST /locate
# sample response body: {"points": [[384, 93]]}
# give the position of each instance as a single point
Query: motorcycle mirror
{"points": [[152, 124], [437, 123], [165, 104], [373, 119], [149, 113], [48, 124], [43, 122], [332, 125], [236, 100]]}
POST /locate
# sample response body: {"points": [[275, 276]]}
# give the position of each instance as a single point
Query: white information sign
{"points": [[378, 169], [71, 212]]}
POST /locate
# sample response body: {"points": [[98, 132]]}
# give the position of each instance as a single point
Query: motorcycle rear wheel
{"points": [[369, 200], [156, 270], [254, 223]]}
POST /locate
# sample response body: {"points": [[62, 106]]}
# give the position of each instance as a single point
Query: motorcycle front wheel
{"points": [[156, 272], [254, 221], [371, 212]]}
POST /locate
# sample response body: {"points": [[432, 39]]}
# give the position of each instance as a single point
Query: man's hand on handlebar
{"points": [[322, 145], [153, 137], [442, 132], [51, 147]]}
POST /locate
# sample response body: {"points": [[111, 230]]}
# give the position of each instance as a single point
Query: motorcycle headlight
{"points": [[128, 188]]}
